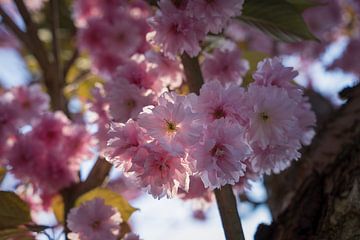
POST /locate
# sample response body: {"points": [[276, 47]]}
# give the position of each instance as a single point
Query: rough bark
{"points": [[323, 199]]}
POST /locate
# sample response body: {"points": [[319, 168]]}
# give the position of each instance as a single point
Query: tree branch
{"points": [[39, 50], [229, 215], [192, 73], [54, 6], [224, 196]]}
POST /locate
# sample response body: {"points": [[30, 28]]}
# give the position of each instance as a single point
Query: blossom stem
{"points": [[225, 198], [230, 218]]}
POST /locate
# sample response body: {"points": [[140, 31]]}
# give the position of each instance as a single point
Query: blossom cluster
{"points": [[41, 147], [180, 26], [226, 135]]}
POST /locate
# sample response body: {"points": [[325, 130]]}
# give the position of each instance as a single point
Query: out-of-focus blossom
{"points": [[126, 100], [94, 220], [215, 14], [30, 102], [346, 61], [131, 236], [176, 31], [226, 66]]}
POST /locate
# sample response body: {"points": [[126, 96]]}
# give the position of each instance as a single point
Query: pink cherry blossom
{"points": [[106, 63], [25, 156], [49, 128], [126, 186], [219, 158], [47, 169], [92, 37], [124, 142], [85, 9], [162, 174], [271, 72], [94, 220], [215, 13], [176, 31], [274, 158], [197, 190], [136, 73], [168, 71], [99, 108], [121, 38], [307, 121], [226, 66], [251, 174], [217, 101], [8, 117], [78, 143], [172, 123], [30, 102], [126, 100], [270, 115]]}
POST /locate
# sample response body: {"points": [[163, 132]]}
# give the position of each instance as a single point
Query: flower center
{"points": [[96, 225], [218, 152], [131, 103], [264, 116], [219, 113], [170, 126]]}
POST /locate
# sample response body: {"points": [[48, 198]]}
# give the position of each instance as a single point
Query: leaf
{"points": [[16, 233], [302, 5], [13, 210], [111, 198], [57, 204], [277, 18]]}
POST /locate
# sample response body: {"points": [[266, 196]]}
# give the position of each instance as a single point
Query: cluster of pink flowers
{"points": [[226, 135], [95, 220], [104, 31], [180, 26], [39, 146], [225, 66], [49, 155]]}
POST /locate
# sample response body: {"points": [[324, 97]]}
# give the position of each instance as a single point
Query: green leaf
{"points": [[15, 233], [277, 18], [13, 210], [111, 198], [302, 5]]}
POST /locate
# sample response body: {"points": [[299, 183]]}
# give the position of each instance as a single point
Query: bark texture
{"points": [[321, 192]]}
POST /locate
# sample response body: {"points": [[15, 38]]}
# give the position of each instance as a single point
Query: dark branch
{"points": [[38, 50]]}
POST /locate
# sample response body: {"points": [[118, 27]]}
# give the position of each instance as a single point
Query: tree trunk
{"points": [[322, 199]]}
